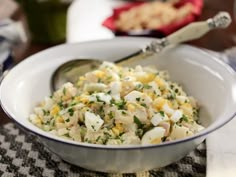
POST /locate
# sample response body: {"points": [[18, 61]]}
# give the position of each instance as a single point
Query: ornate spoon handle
{"points": [[192, 31]]}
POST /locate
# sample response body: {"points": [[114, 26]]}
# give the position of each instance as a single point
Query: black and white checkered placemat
{"points": [[22, 155]]}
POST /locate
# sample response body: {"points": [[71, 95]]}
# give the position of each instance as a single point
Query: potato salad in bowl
{"points": [[115, 105]]}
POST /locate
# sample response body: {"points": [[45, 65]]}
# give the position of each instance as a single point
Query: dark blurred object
{"points": [[162, 31], [143, 33], [46, 19], [6, 60]]}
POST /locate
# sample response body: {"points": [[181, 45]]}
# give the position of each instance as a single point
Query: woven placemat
{"points": [[22, 155]]}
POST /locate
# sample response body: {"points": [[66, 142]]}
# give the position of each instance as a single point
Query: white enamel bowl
{"points": [[209, 80]]}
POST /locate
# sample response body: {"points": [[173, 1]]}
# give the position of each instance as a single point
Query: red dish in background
{"points": [[160, 32]]}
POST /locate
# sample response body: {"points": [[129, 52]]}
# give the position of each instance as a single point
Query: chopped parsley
{"points": [[99, 99], [196, 112], [45, 113], [98, 138], [176, 90], [107, 134], [139, 133], [138, 122], [60, 104], [100, 110], [146, 86], [122, 133], [184, 118], [139, 86], [91, 102], [67, 135], [64, 91], [93, 127], [71, 112], [144, 105], [163, 139], [162, 113], [171, 96], [73, 104], [109, 77], [120, 104], [138, 99], [123, 112], [111, 115]]}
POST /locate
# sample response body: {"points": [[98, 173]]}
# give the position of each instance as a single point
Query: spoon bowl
{"points": [[71, 71]]}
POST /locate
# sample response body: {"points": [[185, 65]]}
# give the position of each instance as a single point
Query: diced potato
{"points": [[180, 132], [123, 117], [176, 116], [158, 118], [115, 88], [153, 136], [62, 131], [181, 99], [187, 109], [39, 111], [166, 126], [93, 122], [92, 87], [100, 97], [75, 133], [35, 120], [167, 109], [196, 127], [66, 92], [160, 82], [130, 138], [48, 103], [144, 77], [114, 142]]}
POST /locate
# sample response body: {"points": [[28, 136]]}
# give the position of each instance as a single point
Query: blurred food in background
{"points": [[46, 19], [153, 17]]}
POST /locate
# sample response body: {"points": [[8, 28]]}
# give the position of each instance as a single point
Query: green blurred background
{"points": [[46, 19]]}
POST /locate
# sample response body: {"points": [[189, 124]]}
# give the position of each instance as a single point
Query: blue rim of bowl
{"points": [[132, 147]]}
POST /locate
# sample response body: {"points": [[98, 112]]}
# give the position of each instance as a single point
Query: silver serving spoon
{"points": [[72, 70]]}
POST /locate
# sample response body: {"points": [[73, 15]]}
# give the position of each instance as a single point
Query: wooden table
{"points": [[216, 40]]}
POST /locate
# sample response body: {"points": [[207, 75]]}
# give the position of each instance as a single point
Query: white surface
{"points": [[210, 81], [221, 146], [85, 19], [221, 152]]}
